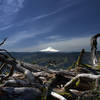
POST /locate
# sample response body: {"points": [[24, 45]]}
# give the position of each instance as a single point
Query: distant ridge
{"points": [[62, 59], [49, 49]]}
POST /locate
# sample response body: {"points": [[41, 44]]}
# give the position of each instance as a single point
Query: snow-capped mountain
{"points": [[49, 49]]}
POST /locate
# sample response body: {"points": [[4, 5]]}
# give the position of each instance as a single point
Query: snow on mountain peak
{"points": [[49, 49]]}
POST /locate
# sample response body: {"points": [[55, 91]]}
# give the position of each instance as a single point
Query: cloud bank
{"points": [[74, 44]]}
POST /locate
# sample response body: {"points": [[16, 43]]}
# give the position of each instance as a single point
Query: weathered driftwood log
{"points": [[94, 48], [86, 69], [18, 67], [36, 68], [25, 71], [10, 73], [79, 60], [83, 82], [15, 83], [58, 96], [3, 63], [21, 83], [20, 93]]}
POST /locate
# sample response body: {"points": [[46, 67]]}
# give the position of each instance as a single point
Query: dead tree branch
{"points": [[7, 53], [94, 48], [82, 78], [3, 41], [80, 57]]}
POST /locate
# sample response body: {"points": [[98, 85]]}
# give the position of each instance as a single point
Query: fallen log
{"points": [[93, 49], [20, 93], [83, 82], [58, 96]]}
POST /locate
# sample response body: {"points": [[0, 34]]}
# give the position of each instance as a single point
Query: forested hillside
{"points": [[57, 60]]}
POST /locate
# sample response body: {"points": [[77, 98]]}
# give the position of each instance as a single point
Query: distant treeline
{"points": [[56, 60]]}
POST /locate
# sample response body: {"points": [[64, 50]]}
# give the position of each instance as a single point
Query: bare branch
{"points": [[7, 53], [80, 57], [10, 73], [58, 96], [2, 65], [3, 41], [85, 77]]}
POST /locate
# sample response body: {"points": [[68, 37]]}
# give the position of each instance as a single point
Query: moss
{"points": [[78, 82], [44, 92], [72, 66], [98, 67], [78, 61], [34, 63], [65, 94], [69, 68], [86, 65], [6, 73], [71, 85]]}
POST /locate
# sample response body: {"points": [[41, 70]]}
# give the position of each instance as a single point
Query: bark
{"points": [[21, 93], [79, 61], [84, 80], [94, 48], [56, 95], [3, 41]]}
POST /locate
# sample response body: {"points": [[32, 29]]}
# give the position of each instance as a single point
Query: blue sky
{"points": [[32, 25]]}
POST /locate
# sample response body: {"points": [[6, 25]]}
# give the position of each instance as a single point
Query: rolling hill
{"points": [[51, 59]]}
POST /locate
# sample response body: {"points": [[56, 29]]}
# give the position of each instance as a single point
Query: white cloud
{"points": [[49, 14], [8, 10], [18, 37], [24, 35], [36, 18], [12, 6], [74, 44], [5, 27], [66, 45], [53, 37], [56, 38]]}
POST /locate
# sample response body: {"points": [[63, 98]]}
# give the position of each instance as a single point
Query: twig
{"points": [[3, 41], [10, 74], [7, 53]]}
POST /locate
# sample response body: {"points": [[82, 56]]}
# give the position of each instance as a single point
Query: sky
{"points": [[32, 25]]}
